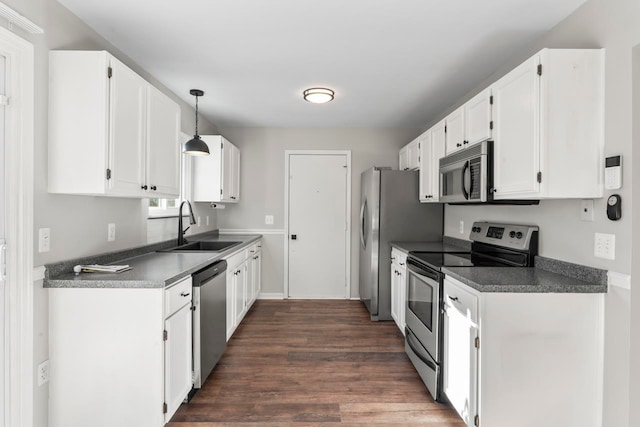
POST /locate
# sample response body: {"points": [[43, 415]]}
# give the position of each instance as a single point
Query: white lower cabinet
{"points": [[243, 284], [525, 359], [398, 287], [119, 356]]}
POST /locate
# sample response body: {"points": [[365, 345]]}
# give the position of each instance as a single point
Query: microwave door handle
{"points": [[464, 176]]}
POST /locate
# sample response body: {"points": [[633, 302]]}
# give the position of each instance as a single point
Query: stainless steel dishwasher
{"points": [[209, 320]]}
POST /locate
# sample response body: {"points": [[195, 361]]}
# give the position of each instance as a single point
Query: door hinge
{"points": [[164, 407], [476, 420], [165, 335], [539, 69], [221, 191], [445, 128], [477, 342], [109, 72], [491, 100], [539, 176], [418, 145], [222, 145], [491, 125], [108, 173]]}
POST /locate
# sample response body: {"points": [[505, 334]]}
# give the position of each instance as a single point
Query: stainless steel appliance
{"points": [[493, 245], [209, 320], [390, 211], [465, 176]]}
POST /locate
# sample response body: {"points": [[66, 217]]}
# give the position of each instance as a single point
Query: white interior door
{"points": [[317, 225]]}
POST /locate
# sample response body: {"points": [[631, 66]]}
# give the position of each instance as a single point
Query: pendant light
{"points": [[196, 146]]}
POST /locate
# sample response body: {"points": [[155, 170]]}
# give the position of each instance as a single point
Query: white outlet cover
{"points": [[268, 219], [207, 219], [44, 240], [111, 232], [43, 373], [461, 227]]}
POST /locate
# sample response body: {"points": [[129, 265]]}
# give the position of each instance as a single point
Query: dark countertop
{"points": [[445, 246], [521, 280], [154, 269]]}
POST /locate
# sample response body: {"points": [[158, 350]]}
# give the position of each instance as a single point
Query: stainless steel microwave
{"points": [[465, 176]]}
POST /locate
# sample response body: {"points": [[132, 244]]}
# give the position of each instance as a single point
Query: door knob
{"points": [[294, 237]]}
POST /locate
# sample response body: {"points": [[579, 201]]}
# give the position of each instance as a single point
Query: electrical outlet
{"points": [[44, 240], [198, 223], [207, 219], [461, 227], [43, 373], [586, 210], [268, 219], [605, 246], [111, 232]]}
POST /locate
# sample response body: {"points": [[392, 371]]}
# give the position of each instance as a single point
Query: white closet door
{"points": [[3, 288]]}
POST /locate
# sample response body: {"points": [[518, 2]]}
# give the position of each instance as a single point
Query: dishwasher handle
{"points": [[209, 273]]}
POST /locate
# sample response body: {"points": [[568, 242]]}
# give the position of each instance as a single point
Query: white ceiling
{"points": [[392, 63]]}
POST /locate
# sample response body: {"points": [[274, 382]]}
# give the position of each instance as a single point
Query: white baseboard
{"points": [[275, 295], [619, 280]]}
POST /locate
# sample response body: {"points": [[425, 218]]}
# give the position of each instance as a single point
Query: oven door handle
{"points": [[465, 168], [426, 361], [423, 273]]}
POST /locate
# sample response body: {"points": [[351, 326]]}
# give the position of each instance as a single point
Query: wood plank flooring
{"points": [[314, 362]]}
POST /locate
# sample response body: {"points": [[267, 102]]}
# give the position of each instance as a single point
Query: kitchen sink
{"points": [[203, 247]]}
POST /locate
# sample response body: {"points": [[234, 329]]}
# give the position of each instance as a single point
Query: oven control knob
{"points": [[478, 229], [512, 234], [519, 235]]}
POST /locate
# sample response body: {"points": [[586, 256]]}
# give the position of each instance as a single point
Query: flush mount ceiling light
{"points": [[196, 146], [318, 95]]}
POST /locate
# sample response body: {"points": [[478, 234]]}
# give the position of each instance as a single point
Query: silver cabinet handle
{"points": [[184, 294]]}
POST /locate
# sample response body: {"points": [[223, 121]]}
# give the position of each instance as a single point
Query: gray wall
{"points": [[634, 392], [262, 180]]}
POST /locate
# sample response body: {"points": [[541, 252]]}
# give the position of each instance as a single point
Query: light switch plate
{"points": [[605, 246], [111, 232]]}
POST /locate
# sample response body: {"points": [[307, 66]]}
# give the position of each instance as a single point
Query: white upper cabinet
{"points": [[455, 131], [548, 126], [477, 114], [470, 123], [163, 147], [409, 156], [432, 144], [110, 132], [216, 178]]}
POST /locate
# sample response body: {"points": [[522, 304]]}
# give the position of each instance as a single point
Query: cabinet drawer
{"points": [[457, 297], [176, 296]]}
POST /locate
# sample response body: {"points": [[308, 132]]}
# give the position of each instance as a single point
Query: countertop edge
{"points": [[53, 283]]}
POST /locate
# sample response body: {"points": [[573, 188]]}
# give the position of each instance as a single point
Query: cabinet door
{"points": [[455, 131], [413, 155], [438, 142], [127, 110], [402, 297], [403, 159], [516, 132], [235, 175], [394, 293], [426, 168], [177, 359], [477, 113], [256, 271], [163, 146], [227, 171], [240, 292], [231, 302]]}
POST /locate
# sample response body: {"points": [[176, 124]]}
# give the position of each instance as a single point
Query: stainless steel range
{"points": [[493, 245]]}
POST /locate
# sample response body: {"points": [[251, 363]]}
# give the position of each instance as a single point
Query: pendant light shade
{"points": [[196, 146]]}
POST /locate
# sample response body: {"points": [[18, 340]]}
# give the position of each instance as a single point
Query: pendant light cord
{"points": [[196, 114]]}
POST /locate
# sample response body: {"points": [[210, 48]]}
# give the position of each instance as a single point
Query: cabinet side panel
{"points": [[543, 350], [106, 357], [78, 121], [573, 110]]}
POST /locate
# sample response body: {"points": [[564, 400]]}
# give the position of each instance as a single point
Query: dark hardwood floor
{"points": [[314, 362]]}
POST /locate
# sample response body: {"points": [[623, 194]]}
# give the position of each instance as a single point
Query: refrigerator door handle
{"points": [[363, 208]]}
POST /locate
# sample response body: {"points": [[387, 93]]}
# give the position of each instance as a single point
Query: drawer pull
{"points": [[454, 299], [184, 294]]}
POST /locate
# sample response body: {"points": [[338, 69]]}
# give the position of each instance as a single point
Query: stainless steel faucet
{"points": [[192, 221]]}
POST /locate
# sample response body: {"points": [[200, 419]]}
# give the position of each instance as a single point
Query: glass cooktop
{"points": [[439, 260]]}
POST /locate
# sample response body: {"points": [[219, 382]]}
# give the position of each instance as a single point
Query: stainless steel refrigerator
{"points": [[390, 211]]}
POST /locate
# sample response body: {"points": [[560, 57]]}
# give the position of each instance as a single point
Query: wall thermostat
{"points": [[613, 172], [614, 207]]}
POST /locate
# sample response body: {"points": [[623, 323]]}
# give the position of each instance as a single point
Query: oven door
{"points": [[423, 307]]}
